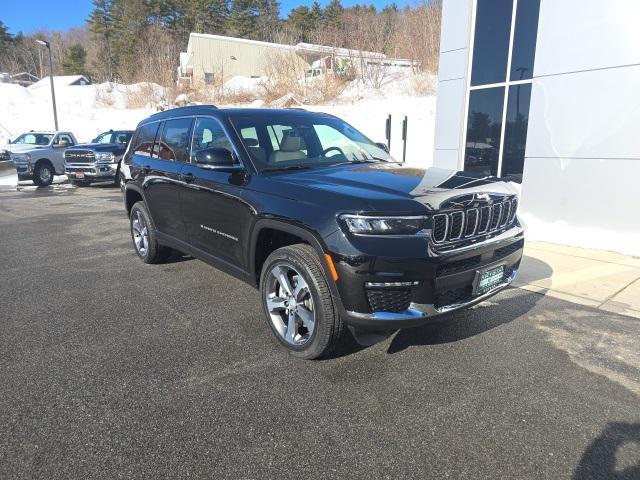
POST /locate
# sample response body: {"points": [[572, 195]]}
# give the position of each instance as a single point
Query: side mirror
{"points": [[383, 146], [61, 144], [216, 159]]}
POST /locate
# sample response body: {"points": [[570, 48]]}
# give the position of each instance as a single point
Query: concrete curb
{"points": [[6, 166]]}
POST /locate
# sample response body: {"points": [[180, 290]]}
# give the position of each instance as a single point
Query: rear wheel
{"points": [[298, 304], [43, 175], [144, 236]]}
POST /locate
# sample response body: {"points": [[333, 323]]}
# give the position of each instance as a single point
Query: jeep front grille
{"points": [[80, 156], [473, 222]]}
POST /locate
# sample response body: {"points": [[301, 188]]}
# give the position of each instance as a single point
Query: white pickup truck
{"points": [[38, 156]]}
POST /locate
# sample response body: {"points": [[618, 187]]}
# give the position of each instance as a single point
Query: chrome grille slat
{"points": [[485, 216], [456, 225], [472, 221], [476, 221]]}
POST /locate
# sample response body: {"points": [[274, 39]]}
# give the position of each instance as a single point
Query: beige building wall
{"points": [[225, 57]]}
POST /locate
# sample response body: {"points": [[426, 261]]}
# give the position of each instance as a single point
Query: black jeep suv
{"points": [[329, 227]]}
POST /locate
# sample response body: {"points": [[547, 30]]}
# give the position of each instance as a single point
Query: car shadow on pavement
{"points": [[452, 327], [605, 457], [462, 324], [533, 270]]}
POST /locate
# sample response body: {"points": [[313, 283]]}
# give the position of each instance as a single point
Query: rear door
{"points": [[160, 170], [216, 217]]}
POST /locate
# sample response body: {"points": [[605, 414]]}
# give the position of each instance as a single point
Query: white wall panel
{"points": [[455, 25], [446, 159], [575, 35], [449, 112], [453, 65], [586, 115], [583, 202]]}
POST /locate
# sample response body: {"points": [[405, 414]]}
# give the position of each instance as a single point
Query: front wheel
{"points": [[298, 304], [43, 175]]}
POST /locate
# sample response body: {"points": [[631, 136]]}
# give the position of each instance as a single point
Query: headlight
{"points": [[372, 225], [104, 157], [21, 157]]}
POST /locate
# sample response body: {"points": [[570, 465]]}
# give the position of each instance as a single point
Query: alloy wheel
{"points": [[290, 304], [140, 233], [45, 175]]}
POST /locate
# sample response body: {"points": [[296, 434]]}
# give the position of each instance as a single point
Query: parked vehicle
{"points": [[331, 229], [38, 156], [98, 161]]}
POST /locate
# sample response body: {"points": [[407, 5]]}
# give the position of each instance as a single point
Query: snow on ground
{"points": [[91, 109], [9, 179], [83, 110]]}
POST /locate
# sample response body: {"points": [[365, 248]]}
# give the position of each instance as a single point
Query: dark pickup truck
{"points": [[333, 231], [98, 161]]}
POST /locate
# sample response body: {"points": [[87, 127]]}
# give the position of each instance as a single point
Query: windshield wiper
{"points": [[286, 167]]}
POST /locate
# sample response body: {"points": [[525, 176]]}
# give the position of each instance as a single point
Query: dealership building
{"points": [[546, 93]]}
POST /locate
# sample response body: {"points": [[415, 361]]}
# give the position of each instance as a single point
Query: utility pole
{"points": [[53, 92]]}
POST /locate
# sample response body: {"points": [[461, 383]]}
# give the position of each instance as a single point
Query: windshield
{"points": [[280, 142], [32, 138], [113, 137]]}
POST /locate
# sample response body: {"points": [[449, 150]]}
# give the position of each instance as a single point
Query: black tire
{"points": [[119, 181], [79, 183], [329, 328], [43, 174], [153, 252]]}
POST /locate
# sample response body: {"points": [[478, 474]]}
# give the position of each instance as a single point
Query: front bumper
{"points": [[24, 170], [438, 284], [91, 171]]}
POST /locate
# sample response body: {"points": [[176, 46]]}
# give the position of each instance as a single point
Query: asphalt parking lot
{"points": [[110, 368]]}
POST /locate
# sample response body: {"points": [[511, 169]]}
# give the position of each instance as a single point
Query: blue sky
{"points": [[29, 15]]}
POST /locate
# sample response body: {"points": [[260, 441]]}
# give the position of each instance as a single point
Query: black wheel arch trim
{"points": [[299, 231]]}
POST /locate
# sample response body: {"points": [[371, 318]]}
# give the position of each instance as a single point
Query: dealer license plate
{"points": [[488, 279], [79, 174]]}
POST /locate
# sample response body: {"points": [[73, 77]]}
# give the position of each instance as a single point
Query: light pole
{"points": [[53, 92]]}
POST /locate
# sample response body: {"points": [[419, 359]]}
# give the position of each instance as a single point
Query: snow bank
{"points": [[84, 110], [91, 109]]}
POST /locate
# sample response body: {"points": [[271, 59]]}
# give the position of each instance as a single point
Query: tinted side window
{"points": [[209, 134], [143, 143], [174, 141]]}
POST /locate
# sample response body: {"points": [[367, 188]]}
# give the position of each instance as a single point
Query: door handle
{"points": [[187, 177]]}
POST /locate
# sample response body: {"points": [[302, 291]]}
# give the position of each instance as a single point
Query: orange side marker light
{"points": [[332, 267]]}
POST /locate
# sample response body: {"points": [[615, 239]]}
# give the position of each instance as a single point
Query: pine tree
{"points": [[101, 26], [268, 21], [243, 18], [333, 14], [74, 61]]}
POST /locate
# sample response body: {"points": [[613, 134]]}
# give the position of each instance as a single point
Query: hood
{"points": [[394, 184], [100, 147]]}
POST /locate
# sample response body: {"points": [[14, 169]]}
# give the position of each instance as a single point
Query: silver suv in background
{"points": [[38, 156], [98, 161]]}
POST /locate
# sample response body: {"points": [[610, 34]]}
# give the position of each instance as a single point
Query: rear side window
{"points": [[174, 141], [144, 139], [63, 137]]}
